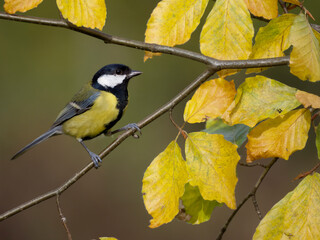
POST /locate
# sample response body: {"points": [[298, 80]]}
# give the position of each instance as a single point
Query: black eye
{"points": [[118, 72]]}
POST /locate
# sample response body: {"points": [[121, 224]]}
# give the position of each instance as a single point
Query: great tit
{"points": [[94, 110]]}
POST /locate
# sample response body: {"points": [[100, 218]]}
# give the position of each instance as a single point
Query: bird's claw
{"points": [[134, 127], [95, 159]]}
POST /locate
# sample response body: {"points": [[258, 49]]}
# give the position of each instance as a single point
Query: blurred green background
{"points": [[42, 67]]}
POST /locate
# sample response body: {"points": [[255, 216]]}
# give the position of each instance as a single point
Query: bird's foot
{"points": [[135, 127], [95, 159]]}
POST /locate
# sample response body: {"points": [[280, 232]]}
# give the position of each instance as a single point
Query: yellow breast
{"points": [[92, 122]]}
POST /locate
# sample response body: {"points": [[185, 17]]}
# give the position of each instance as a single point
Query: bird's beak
{"points": [[134, 73]]}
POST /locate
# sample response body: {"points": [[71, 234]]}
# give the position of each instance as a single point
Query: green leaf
{"points": [[296, 216], [318, 139], [195, 206], [259, 98], [236, 134]]}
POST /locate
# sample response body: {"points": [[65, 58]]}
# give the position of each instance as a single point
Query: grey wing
{"points": [[74, 108]]}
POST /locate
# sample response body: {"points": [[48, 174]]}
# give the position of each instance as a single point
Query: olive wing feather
{"points": [[80, 103]]}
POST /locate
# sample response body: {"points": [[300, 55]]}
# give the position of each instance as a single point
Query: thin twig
{"points": [[256, 206], [252, 193], [213, 63], [173, 102], [283, 6], [303, 175], [63, 219], [181, 131], [252, 165]]}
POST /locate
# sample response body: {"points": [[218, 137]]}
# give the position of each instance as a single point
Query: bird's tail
{"points": [[53, 131]]}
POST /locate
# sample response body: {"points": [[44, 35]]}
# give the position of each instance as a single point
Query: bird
{"points": [[94, 110]]}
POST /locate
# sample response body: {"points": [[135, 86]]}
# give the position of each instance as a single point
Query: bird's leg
{"points": [[133, 126], [95, 158]]}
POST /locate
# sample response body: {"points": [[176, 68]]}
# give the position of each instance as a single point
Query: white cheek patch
{"points": [[111, 80]]}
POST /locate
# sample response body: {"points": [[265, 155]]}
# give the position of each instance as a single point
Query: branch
{"points": [[250, 195], [252, 165], [283, 6], [63, 219], [303, 175], [215, 64], [173, 102]]}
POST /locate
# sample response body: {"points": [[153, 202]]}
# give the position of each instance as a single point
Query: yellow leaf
{"points": [[227, 33], [84, 13], [13, 6], [259, 98], [107, 238], [308, 99], [296, 216], [210, 100], [316, 34], [279, 137], [173, 21], [267, 9], [296, 2], [272, 40], [305, 55], [211, 163], [163, 185]]}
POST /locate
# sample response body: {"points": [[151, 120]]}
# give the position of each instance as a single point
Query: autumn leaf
{"points": [[84, 13], [267, 9], [210, 100], [305, 55], [308, 99], [279, 137], [163, 185], [316, 34], [211, 163], [228, 32], [195, 206], [107, 238], [296, 216], [13, 6], [317, 129], [272, 40], [172, 22], [259, 98], [236, 134]]}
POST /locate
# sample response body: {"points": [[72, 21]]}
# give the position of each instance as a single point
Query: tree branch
{"points": [[62, 217], [251, 194], [252, 165], [173, 102], [283, 6], [215, 64]]}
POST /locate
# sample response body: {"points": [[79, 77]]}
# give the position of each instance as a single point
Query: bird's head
{"points": [[112, 76]]}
